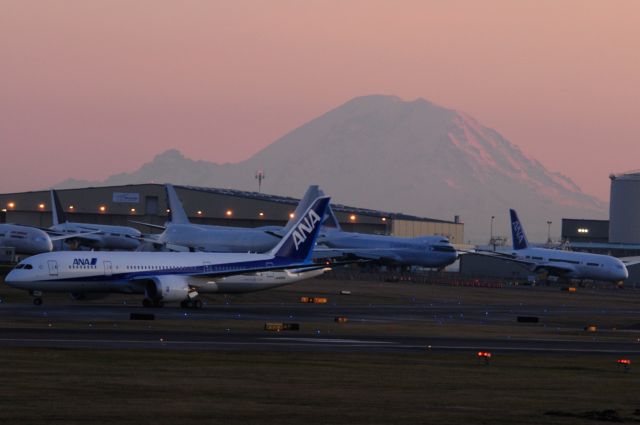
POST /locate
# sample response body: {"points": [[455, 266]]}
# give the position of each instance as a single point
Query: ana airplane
{"points": [[181, 235], [425, 251], [172, 276], [94, 236], [564, 264]]}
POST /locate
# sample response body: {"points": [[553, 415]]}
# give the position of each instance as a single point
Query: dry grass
{"points": [[44, 386]]}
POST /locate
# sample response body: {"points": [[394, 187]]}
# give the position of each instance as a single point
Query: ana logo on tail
{"points": [[517, 231], [304, 228]]}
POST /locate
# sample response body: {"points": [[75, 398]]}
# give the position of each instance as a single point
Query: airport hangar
{"points": [[118, 205]]}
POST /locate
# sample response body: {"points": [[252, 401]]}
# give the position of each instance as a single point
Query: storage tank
{"points": [[624, 208]]}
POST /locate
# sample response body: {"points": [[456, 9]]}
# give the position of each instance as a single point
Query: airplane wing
{"points": [[558, 269], [61, 237], [153, 226], [555, 268]]}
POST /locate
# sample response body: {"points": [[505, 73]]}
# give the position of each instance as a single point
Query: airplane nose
{"points": [[10, 278]]}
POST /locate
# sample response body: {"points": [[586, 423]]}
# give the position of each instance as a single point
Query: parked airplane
{"points": [[170, 276], [28, 240], [25, 239], [425, 251], [564, 264], [181, 235], [95, 236]]}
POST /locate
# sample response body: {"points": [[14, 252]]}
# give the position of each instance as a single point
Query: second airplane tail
{"points": [[517, 232]]}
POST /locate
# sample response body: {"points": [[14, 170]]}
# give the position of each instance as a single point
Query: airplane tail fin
{"points": [[57, 212], [176, 210], [330, 219], [297, 245], [310, 195], [517, 232]]}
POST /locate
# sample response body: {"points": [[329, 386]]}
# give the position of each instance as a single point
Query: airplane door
{"points": [[53, 267], [108, 268]]}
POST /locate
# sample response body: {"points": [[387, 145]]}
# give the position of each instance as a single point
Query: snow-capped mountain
{"points": [[384, 153]]}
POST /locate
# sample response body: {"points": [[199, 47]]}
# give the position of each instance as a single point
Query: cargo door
{"points": [[108, 268]]}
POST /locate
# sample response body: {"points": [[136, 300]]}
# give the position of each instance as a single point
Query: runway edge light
{"points": [[624, 363]]}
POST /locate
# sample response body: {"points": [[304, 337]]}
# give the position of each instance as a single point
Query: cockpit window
{"points": [[19, 266], [28, 267]]}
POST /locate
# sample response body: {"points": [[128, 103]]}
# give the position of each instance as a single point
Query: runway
{"points": [[418, 327]]}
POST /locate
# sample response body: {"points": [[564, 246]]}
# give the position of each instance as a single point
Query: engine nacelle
{"points": [[167, 288]]}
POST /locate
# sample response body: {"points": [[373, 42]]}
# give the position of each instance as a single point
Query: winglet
{"points": [[517, 232], [57, 212], [176, 210], [297, 244]]}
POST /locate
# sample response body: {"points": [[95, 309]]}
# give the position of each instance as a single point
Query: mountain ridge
{"points": [[384, 153]]}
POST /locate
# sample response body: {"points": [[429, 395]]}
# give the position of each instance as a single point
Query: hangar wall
{"points": [[118, 205]]}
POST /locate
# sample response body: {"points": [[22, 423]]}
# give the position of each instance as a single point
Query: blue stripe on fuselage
{"points": [[212, 270]]}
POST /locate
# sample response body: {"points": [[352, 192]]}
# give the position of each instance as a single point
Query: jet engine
{"points": [[167, 289]]}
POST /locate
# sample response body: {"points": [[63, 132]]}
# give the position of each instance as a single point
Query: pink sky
{"points": [[92, 88]]}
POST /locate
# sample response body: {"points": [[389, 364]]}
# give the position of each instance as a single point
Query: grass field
{"points": [[82, 386], [45, 386]]}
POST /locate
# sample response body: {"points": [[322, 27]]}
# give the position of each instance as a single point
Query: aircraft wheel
{"points": [[197, 304], [147, 302], [158, 303], [185, 304], [37, 301]]}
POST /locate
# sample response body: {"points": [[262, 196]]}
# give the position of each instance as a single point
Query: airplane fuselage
{"points": [[25, 239], [106, 236], [578, 265], [217, 239], [426, 251]]}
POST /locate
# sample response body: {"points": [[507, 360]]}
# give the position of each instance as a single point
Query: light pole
{"points": [[549, 232], [260, 176], [491, 240]]}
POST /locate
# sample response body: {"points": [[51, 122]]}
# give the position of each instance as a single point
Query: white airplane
{"points": [[28, 240], [425, 251], [95, 236], [170, 276], [564, 264], [25, 239], [181, 235]]}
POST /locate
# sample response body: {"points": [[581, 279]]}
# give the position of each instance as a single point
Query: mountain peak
{"points": [[169, 155], [382, 152]]}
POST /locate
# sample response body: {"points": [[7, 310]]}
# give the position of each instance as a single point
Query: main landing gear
{"points": [[38, 297]]}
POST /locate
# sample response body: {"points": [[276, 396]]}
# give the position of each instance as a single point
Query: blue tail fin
{"points": [[517, 232], [57, 212], [297, 244], [309, 196]]}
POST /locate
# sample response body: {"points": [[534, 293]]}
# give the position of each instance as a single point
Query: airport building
{"points": [[620, 235], [119, 205]]}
